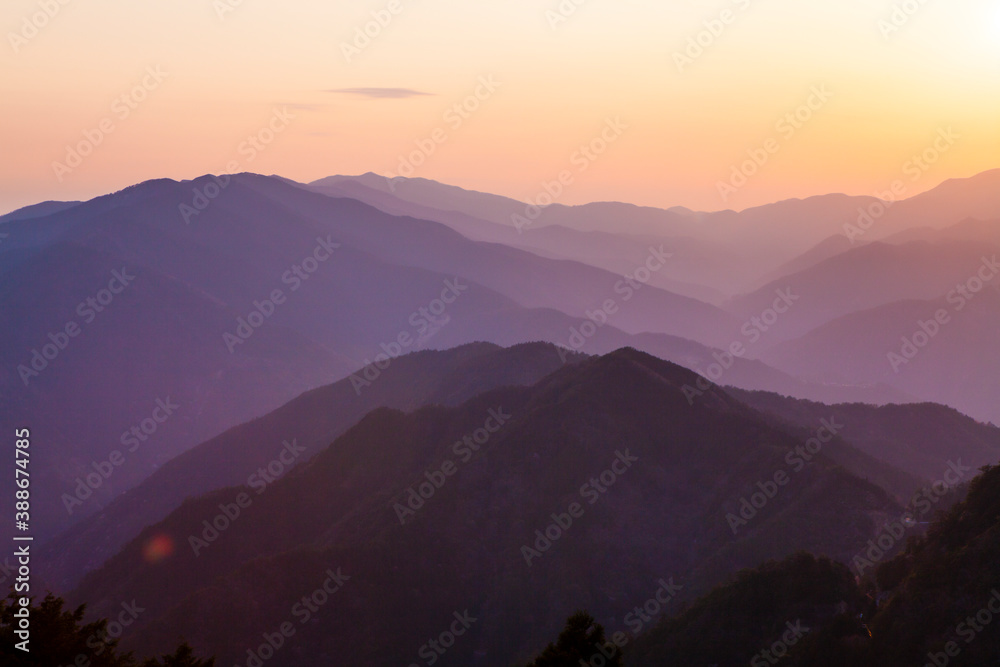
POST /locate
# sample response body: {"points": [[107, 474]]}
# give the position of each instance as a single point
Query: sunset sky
{"points": [[359, 109]]}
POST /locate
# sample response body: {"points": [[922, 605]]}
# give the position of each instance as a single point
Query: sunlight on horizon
{"points": [[701, 88]]}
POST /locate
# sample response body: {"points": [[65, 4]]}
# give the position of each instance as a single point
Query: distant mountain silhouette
{"points": [[204, 267], [921, 439], [38, 210], [873, 275], [734, 250], [957, 367]]}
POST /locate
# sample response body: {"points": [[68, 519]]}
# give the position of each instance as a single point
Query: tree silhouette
{"points": [[581, 642], [60, 637], [182, 657]]}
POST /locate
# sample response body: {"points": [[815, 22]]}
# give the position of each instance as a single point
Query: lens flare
{"points": [[158, 548]]}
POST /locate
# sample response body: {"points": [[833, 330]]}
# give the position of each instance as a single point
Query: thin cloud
{"points": [[380, 93], [305, 107]]}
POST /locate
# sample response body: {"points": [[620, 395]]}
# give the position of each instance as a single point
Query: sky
{"points": [[709, 105]]}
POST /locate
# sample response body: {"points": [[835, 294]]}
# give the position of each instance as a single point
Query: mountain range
{"points": [[470, 410], [595, 482]]}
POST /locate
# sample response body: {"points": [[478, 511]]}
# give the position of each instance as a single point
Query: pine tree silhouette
{"points": [[581, 640]]}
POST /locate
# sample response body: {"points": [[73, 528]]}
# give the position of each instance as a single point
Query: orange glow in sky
{"points": [[307, 89]]}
